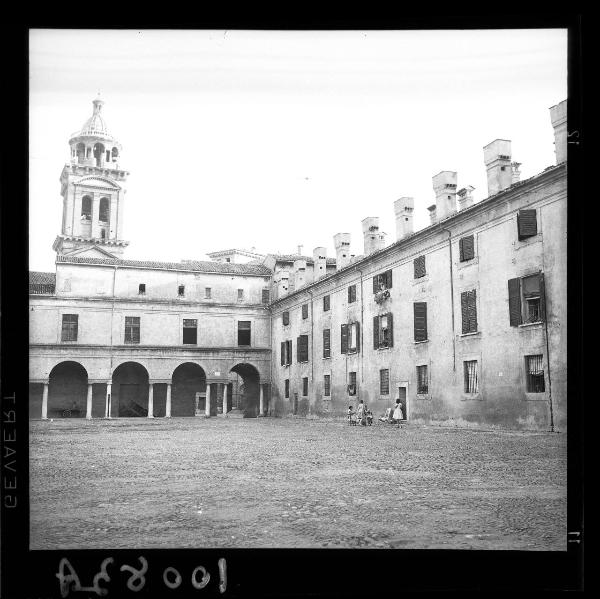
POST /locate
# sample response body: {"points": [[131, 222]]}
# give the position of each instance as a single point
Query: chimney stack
{"points": [[320, 262], [374, 240], [299, 273], [496, 156], [465, 197], [432, 215], [342, 250], [515, 172], [444, 185], [558, 116], [300, 250], [403, 209]]}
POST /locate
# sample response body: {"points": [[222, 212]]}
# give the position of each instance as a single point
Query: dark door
{"points": [[402, 396]]}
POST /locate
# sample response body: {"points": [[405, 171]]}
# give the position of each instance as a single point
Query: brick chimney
{"points": [[496, 156], [299, 273], [342, 250], [558, 116], [320, 262], [444, 185], [403, 209], [465, 197], [432, 215], [374, 239]]}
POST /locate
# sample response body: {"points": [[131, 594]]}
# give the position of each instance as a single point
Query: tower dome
{"points": [[95, 125]]}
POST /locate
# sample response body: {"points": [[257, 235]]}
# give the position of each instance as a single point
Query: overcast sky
{"points": [[275, 139]]}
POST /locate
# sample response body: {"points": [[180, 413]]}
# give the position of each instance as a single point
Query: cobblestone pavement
{"points": [[195, 482]]}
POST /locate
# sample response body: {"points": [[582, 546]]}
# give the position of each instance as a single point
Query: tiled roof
{"points": [[193, 266], [41, 278], [293, 257]]}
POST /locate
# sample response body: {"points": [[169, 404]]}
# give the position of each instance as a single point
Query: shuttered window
{"points": [[283, 348], [302, 348], [326, 303], [420, 321], [285, 317], [326, 343], [526, 300], [304, 311], [304, 386], [327, 385], [265, 296], [352, 383], [287, 388], [69, 327], [382, 281], [526, 223], [351, 294], [132, 329], [344, 339], [353, 337], [466, 247], [384, 382], [286, 352], [190, 331], [244, 332], [468, 306], [383, 331], [422, 381], [289, 351], [419, 265]]}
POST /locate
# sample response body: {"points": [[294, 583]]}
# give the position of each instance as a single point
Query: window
{"points": [[287, 388], [422, 384], [471, 382], [327, 343], [526, 300], [103, 233], [181, 290], [384, 382], [286, 352], [240, 295], [352, 383], [304, 386], [265, 296], [244, 332], [468, 307], [419, 264], [535, 374], [351, 294], [420, 321], [142, 288], [350, 338], [132, 329], [285, 317], [227, 259], [466, 246], [304, 311], [207, 293], [302, 348], [69, 327], [86, 208], [104, 212], [190, 331], [382, 281], [383, 331], [526, 224], [326, 303], [327, 385]]}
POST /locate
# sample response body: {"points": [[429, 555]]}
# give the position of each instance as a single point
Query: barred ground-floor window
{"points": [[471, 377], [535, 374]]}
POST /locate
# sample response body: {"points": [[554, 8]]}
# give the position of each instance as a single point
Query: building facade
{"points": [[463, 321]]}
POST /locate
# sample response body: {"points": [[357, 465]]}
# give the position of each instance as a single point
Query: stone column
{"points": [[88, 412], [112, 229], [45, 402], [168, 404], [107, 406], [261, 410], [207, 403], [151, 400], [95, 216], [225, 390]]}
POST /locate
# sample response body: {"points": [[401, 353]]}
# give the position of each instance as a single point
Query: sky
{"points": [[275, 139]]}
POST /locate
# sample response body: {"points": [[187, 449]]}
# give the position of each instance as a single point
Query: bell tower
{"points": [[93, 191]]}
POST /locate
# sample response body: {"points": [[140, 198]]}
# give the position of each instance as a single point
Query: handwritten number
{"points": [[222, 575], [176, 582], [205, 578], [138, 580]]}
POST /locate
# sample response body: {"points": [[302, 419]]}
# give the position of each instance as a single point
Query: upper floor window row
{"points": [[181, 292]]}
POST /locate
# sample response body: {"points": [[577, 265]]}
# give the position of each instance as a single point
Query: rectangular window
{"points": [[466, 246], [265, 296], [350, 338], [327, 385], [383, 331], [351, 294], [535, 374], [304, 386], [304, 311], [207, 293], [419, 266], [142, 288], [69, 327], [326, 303], [422, 383], [244, 332], [286, 352], [285, 317], [181, 290], [468, 307], [382, 281], [420, 321], [287, 388], [526, 224], [190, 331], [302, 348], [384, 382], [526, 300], [471, 380], [327, 343], [132, 329], [352, 383], [240, 295]]}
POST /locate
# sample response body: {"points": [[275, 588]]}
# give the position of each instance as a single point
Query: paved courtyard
{"points": [[293, 482]]}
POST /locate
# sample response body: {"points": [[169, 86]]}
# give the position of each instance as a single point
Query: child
{"points": [[369, 417], [360, 413], [398, 412], [351, 416]]}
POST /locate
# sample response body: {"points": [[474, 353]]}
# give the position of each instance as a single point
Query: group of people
{"points": [[364, 416]]}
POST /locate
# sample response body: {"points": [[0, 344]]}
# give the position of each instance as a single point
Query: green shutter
{"points": [[357, 337], [527, 223], [344, 339], [388, 278], [375, 284], [375, 332], [514, 302], [289, 355], [390, 318], [542, 297], [283, 343], [464, 311], [472, 311], [420, 321]]}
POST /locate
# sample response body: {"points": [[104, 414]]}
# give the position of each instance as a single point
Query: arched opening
{"points": [[99, 154], [67, 391], [129, 391], [86, 208], [188, 391], [115, 154], [80, 152], [104, 214], [245, 392]]}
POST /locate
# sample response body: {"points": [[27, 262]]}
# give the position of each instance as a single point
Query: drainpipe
{"points": [[271, 361], [547, 346], [112, 319], [451, 298], [362, 330], [312, 344]]}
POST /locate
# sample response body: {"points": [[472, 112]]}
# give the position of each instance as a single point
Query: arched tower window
{"points": [[104, 210], [86, 207], [98, 154], [115, 154], [80, 152]]}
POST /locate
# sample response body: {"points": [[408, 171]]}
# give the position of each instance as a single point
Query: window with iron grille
{"points": [[132, 329], [287, 388], [352, 383], [240, 295], [285, 318], [327, 343], [382, 281], [207, 293], [526, 300], [383, 331], [350, 338], [535, 374], [420, 321], [304, 386], [326, 303], [384, 382], [190, 331], [466, 246], [468, 307], [526, 224], [302, 348], [351, 294], [471, 379], [181, 290], [304, 311], [69, 327], [142, 288], [265, 296], [419, 267], [244, 332], [327, 385], [422, 382]]}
